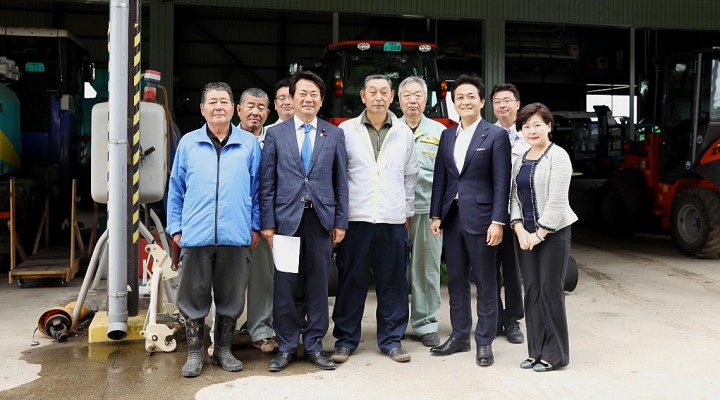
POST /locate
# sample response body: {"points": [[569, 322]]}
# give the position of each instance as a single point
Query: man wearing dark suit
{"points": [[304, 193], [469, 207]]}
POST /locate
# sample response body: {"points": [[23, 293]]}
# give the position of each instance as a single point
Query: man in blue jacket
{"points": [[214, 215]]}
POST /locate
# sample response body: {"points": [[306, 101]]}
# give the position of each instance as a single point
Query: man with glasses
{"points": [[283, 102], [506, 103]]}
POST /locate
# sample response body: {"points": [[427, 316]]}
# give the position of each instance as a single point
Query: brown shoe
{"points": [[398, 354], [267, 345]]}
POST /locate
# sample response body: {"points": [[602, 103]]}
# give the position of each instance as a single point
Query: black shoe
{"points": [[430, 339], [341, 354], [485, 355], [451, 346], [243, 329], [542, 366], [398, 354], [281, 361], [513, 333], [321, 360]]}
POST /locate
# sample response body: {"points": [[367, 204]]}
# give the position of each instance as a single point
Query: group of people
{"points": [[392, 195]]}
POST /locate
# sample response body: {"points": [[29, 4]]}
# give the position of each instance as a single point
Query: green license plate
{"points": [[392, 46]]}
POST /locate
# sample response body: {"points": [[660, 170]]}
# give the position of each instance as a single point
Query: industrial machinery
{"points": [[57, 322], [44, 71], [345, 65], [673, 172], [158, 336]]}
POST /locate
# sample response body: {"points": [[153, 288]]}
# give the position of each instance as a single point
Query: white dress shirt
{"points": [[518, 146], [462, 142], [300, 132]]}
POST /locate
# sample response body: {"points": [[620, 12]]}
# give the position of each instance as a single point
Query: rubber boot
{"points": [[224, 332], [195, 331]]}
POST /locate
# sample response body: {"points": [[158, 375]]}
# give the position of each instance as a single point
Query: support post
{"points": [[117, 171]]}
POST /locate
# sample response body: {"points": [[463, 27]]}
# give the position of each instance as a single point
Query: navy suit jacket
{"points": [[283, 184], [483, 186]]}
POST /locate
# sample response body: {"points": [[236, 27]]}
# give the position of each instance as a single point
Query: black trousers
{"points": [[309, 287], [469, 257], [219, 271], [508, 275], [544, 275], [384, 248]]}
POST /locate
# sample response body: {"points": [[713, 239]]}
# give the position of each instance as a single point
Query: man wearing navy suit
{"points": [[304, 193], [469, 208]]}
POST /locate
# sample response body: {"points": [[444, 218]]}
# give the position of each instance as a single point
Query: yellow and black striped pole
{"points": [[133, 210]]}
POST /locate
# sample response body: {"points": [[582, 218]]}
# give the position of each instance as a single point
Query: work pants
{"points": [[208, 271], [382, 248], [424, 275], [260, 292]]}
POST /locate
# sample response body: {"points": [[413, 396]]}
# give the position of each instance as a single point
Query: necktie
{"points": [[306, 152]]}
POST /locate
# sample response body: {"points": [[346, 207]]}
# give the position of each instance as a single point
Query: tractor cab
{"points": [[345, 65], [691, 117]]}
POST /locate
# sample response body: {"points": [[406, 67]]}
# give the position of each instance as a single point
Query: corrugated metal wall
{"points": [[670, 14]]}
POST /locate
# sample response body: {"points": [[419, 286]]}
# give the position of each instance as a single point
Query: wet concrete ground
{"points": [[113, 371], [643, 324]]}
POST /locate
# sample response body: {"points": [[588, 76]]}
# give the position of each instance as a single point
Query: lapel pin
{"points": [[483, 136], [323, 132]]}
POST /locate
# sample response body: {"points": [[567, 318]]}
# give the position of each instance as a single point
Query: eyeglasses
{"points": [[505, 102]]}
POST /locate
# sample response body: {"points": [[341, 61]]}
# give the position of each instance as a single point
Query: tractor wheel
{"points": [[694, 225], [622, 207], [571, 275]]}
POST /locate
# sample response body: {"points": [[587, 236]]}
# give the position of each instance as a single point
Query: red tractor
{"points": [[676, 168], [345, 65]]}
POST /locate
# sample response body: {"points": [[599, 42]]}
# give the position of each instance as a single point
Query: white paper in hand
{"points": [[286, 253]]}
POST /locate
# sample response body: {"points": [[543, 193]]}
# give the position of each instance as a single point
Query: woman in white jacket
{"points": [[540, 214]]}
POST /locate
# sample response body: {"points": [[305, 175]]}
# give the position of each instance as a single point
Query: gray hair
{"points": [[220, 86], [377, 76], [413, 79], [255, 92]]}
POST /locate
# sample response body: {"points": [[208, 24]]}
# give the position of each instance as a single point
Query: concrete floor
{"points": [[643, 324]]}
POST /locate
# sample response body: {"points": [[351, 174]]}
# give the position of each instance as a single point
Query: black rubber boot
{"points": [[195, 331], [224, 332]]}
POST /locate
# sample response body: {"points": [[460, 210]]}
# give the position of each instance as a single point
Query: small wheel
{"points": [[63, 282], [21, 283], [571, 275]]}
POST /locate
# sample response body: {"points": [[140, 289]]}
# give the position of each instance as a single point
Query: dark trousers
{"points": [[544, 275], [309, 286], [220, 270], [469, 257], [508, 275], [384, 249]]}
